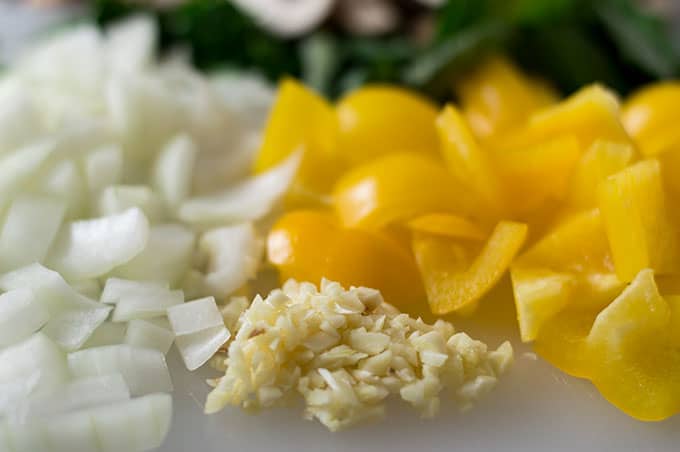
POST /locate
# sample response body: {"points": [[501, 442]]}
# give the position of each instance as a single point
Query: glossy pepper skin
{"points": [[310, 245]]}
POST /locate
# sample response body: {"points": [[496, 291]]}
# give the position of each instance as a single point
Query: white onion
{"points": [[144, 334], [174, 169], [65, 182], [90, 288], [31, 225], [116, 289], [143, 302], [175, 243], [249, 200], [108, 333], [144, 370], [130, 45], [90, 248], [197, 348], [119, 198], [14, 393], [70, 432], [234, 255], [20, 316], [194, 316], [19, 119], [18, 167], [103, 167]]}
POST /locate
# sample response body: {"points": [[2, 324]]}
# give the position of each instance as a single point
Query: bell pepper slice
{"points": [[375, 120], [601, 160], [634, 210], [590, 114], [309, 245], [670, 169], [650, 117], [393, 188], [570, 267], [537, 175], [447, 225], [302, 119], [636, 365], [496, 96], [457, 274], [469, 164]]}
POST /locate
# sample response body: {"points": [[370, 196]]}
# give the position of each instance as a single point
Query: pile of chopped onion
{"points": [[124, 191]]}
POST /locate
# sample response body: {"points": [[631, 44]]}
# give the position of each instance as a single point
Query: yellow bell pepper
{"points": [[496, 96], [568, 268], [301, 119], [590, 114], [635, 362], [310, 245], [636, 219], [650, 117], [457, 273], [447, 225], [380, 119], [538, 175], [469, 164], [393, 188], [601, 160], [670, 169]]}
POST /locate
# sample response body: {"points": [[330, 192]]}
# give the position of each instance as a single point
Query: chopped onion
{"points": [[103, 167], [130, 45], [144, 369], [249, 200], [175, 243], [119, 198], [65, 182], [18, 167], [234, 253], [31, 225], [37, 354], [71, 431], [88, 287], [89, 248], [199, 330], [173, 170], [144, 334], [14, 393], [20, 316], [139, 300], [19, 117], [108, 333]]}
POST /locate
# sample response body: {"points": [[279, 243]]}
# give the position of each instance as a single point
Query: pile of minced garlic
{"points": [[345, 352]]}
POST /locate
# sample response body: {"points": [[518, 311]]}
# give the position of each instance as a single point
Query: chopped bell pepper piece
{"points": [[310, 245], [636, 365], [670, 168], [393, 188], [650, 117], [636, 220], [469, 163], [497, 96], [447, 225], [301, 119], [380, 119], [456, 274], [537, 175], [601, 160]]}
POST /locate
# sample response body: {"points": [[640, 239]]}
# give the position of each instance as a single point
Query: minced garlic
{"points": [[345, 352]]}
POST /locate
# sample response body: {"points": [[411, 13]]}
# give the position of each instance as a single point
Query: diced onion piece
{"points": [[14, 393], [249, 200], [197, 348], [65, 182], [31, 225], [19, 117], [73, 317], [116, 289], [17, 168], [71, 431], [90, 248], [146, 306], [130, 44], [234, 255], [144, 334], [88, 287], [37, 354], [20, 316], [78, 394], [118, 198], [175, 243], [108, 333], [144, 370], [103, 167], [173, 170], [195, 316], [27, 437]]}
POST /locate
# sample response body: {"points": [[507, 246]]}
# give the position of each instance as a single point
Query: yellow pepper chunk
{"points": [[309, 245], [301, 119], [670, 169], [457, 274], [393, 188], [497, 96], [601, 160], [380, 119], [537, 175], [469, 163], [590, 114], [570, 267], [636, 219], [650, 117], [447, 225], [636, 365]]}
